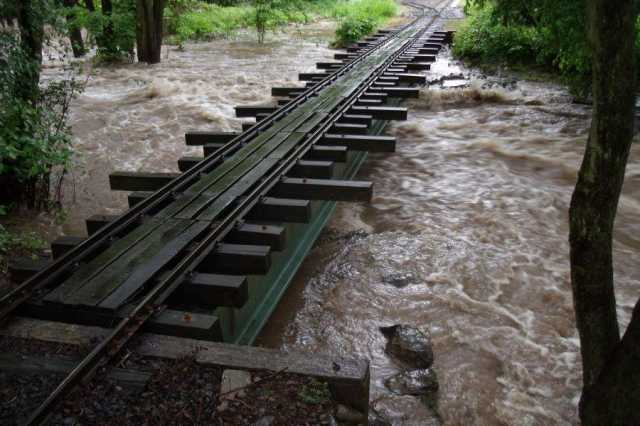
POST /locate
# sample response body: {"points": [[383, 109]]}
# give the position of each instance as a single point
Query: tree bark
{"points": [[149, 30], [31, 36], [615, 397], [75, 33], [595, 199], [105, 40]]}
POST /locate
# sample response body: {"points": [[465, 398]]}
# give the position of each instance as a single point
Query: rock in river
{"points": [[408, 345], [414, 382]]}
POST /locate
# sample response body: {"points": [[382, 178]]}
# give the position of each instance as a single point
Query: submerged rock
{"points": [[348, 415], [408, 345], [413, 382], [399, 279]]}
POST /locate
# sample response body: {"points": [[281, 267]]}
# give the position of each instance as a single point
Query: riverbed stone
{"points": [[413, 382], [234, 380], [409, 345], [348, 415], [399, 279]]}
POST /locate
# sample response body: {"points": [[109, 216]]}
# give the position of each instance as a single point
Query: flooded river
{"points": [[466, 236]]}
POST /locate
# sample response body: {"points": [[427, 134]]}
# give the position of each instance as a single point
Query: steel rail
{"points": [[152, 301]]}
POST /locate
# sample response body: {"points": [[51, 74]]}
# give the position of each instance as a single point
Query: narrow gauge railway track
{"points": [[182, 226]]}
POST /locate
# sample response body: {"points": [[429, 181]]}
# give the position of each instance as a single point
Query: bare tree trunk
{"points": [[75, 34], [105, 40], [149, 30], [31, 36], [595, 199]]}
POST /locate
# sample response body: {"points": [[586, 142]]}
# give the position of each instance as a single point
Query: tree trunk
{"points": [[105, 40], [595, 199], [75, 34], [615, 397], [90, 6], [31, 36], [149, 30]]}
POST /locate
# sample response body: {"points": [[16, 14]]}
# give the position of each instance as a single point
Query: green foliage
{"points": [[360, 18], [121, 24], [34, 136], [270, 14], [315, 392], [547, 33], [205, 21], [209, 21]]}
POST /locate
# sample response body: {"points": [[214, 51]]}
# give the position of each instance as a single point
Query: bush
{"points": [[353, 29], [550, 34], [484, 38], [210, 21], [360, 18], [34, 136]]}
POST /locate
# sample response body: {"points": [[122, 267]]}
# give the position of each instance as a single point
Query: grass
{"points": [[204, 21]]}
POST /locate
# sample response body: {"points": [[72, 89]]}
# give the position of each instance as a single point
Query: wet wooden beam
{"points": [[348, 378], [97, 221], [254, 110], [337, 154], [302, 167], [413, 66], [187, 162], [427, 50], [329, 65], [374, 95], [139, 181], [237, 259], [381, 113], [286, 91], [324, 189], [132, 380], [343, 56], [61, 245], [271, 209], [355, 119], [211, 290], [419, 58], [312, 169], [309, 76], [410, 78], [431, 45], [353, 129], [257, 234], [196, 138], [22, 269], [368, 143], [192, 325], [370, 102], [210, 148], [398, 92]]}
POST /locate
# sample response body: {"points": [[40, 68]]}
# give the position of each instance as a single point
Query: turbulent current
{"points": [[466, 236]]}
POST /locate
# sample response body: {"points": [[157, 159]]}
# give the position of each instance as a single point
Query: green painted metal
{"points": [[243, 325]]}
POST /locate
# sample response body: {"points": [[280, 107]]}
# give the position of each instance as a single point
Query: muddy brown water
{"points": [[466, 236]]}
